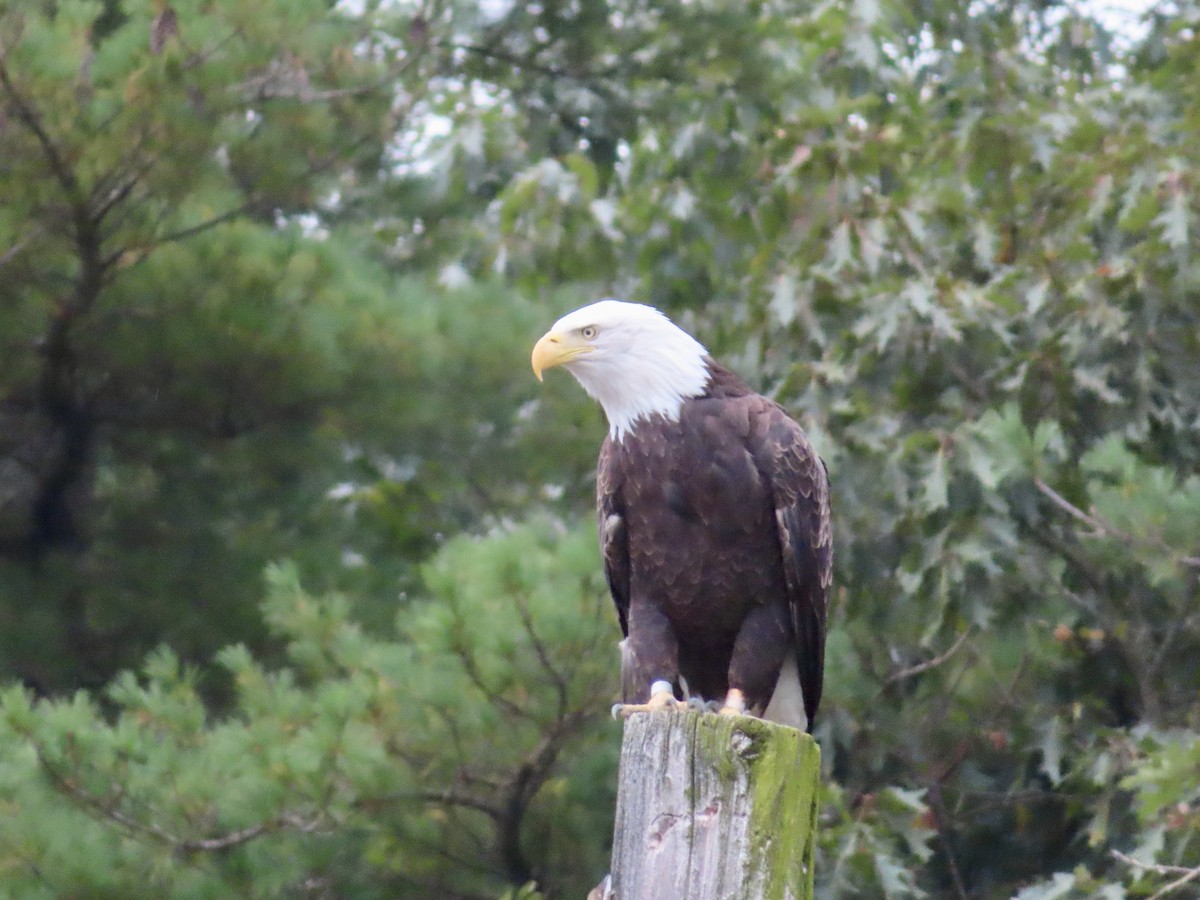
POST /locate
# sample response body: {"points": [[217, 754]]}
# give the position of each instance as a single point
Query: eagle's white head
{"points": [[634, 360]]}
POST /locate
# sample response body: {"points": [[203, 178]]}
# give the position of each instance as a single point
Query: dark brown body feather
{"points": [[715, 531]]}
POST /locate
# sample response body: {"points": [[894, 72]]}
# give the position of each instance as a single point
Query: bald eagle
{"points": [[714, 520]]}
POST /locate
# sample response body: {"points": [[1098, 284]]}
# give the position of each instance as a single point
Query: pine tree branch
{"points": [[451, 797], [543, 655], [108, 809], [230, 839], [54, 158], [144, 250]]}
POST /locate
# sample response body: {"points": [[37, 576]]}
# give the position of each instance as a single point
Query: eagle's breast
{"points": [[700, 519]]}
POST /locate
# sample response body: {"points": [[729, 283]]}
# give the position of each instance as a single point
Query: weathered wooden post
{"points": [[714, 807]]}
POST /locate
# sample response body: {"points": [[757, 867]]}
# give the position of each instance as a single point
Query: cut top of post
{"points": [[714, 807]]}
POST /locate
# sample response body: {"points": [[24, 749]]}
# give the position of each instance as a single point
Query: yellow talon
{"points": [[661, 700], [735, 704]]}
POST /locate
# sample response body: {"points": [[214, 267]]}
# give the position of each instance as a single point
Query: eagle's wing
{"points": [[614, 538], [800, 486]]}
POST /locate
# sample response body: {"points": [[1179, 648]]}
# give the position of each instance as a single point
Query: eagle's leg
{"points": [[735, 703], [649, 656], [758, 654]]}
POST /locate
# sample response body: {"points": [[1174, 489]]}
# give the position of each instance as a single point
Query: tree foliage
{"points": [[366, 766], [268, 278]]}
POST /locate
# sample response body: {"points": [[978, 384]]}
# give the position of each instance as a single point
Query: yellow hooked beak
{"points": [[554, 349]]}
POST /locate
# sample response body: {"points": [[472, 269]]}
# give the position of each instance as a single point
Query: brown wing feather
{"points": [[800, 484], [614, 538]]}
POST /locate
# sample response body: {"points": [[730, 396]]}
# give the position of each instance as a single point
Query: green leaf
{"points": [[936, 484], [1061, 884], [1175, 222], [1051, 745]]}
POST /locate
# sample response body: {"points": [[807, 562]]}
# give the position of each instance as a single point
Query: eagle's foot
{"points": [[662, 699], [735, 704]]}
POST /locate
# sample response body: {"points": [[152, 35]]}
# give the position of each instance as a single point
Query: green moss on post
{"points": [[714, 807]]}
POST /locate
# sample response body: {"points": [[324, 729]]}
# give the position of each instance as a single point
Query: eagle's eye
{"points": [[588, 331]]}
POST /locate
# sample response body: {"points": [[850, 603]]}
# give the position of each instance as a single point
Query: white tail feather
{"points": [[787, 702]]}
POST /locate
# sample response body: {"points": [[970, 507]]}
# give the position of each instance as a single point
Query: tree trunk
{"points": [[714, 807]]}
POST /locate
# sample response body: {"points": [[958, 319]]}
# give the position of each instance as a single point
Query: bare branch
{"points": [[221, 219], [132, 162], [451, 797], [938, 808], [1104, 529], [244, 835], [8, 255], [1155, 868], [1186, 875], [1066, 505], [113, 197], [267, 87], [203, 56], [144, 250], [929, 663]]}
